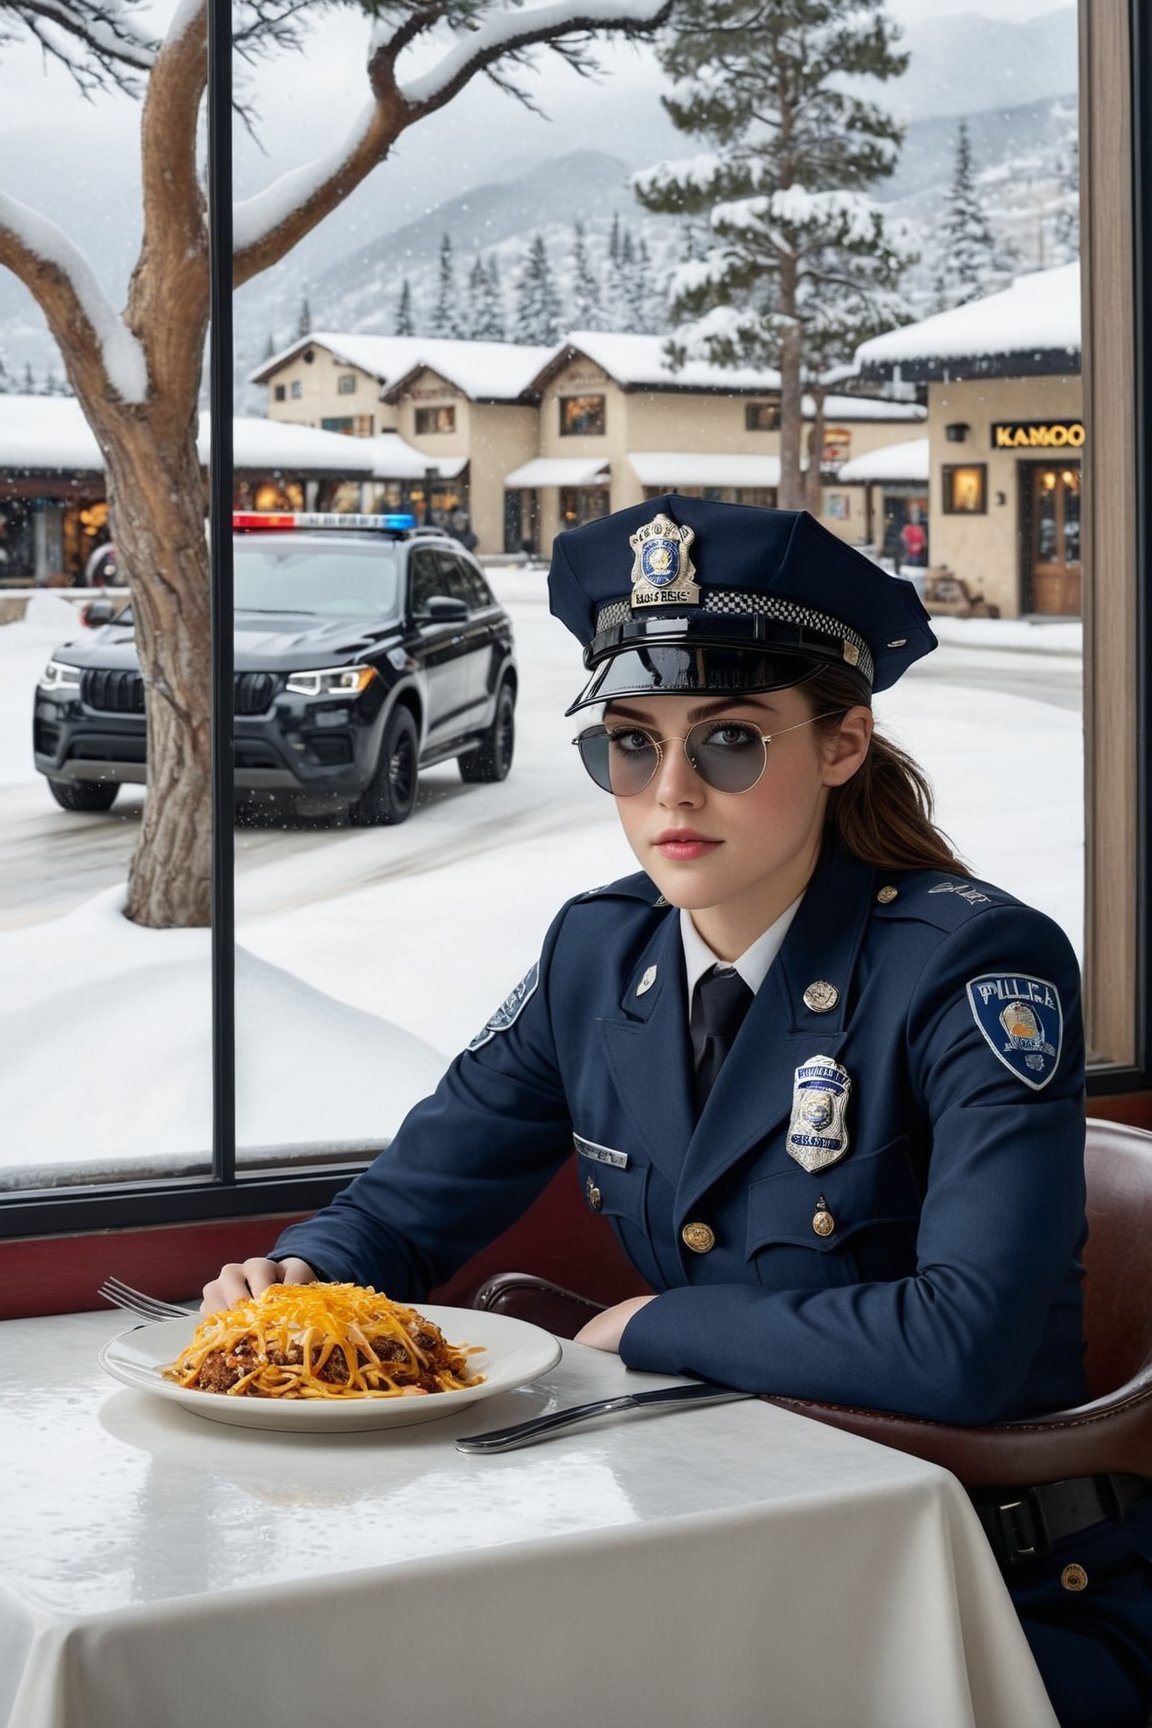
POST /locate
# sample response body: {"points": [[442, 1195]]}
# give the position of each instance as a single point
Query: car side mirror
{"points": [[443, 609], [98, 612]]}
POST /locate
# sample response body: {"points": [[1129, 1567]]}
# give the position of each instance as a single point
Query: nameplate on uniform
{"points": [[602, 1154], [1022, 1021]]}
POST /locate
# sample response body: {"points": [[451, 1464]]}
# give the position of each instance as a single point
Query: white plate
{"points": [[511, 1353]]}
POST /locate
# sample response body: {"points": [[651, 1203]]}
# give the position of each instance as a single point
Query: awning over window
{"points": [[395, 459], [891, 462], [703, 468], [559, 471]]}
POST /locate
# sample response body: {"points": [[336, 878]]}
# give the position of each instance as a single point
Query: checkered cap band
{"points": [[740, 602]]}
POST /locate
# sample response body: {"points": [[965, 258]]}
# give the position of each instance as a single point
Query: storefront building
{"points": [[549, 438], [1006, 437]]}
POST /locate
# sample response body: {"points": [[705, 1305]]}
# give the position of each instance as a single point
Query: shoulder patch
{"points": [[510, 1009], [1022, 1022]]}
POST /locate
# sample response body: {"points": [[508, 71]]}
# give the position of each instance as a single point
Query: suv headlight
{"points": [[333, 681], [58, 675]]}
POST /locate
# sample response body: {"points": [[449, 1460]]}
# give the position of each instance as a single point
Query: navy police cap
{"points": [[684, 595]]}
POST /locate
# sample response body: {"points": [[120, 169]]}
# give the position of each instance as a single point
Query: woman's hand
{"points": [[236, 1283], [605, 1331]]}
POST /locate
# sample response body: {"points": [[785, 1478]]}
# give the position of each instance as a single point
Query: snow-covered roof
{"points": [[558, 471], [47, 432], [266, 445], [907, 461], [1037, 316], [50, 433], [635, 361], [395, 459], [703, 468], [865, 408], [485, 371]]}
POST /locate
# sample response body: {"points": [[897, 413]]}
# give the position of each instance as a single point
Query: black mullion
{"points": [[1141, 39], [220, 491]]}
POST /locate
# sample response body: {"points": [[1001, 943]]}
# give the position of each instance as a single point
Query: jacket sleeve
{"points": [[1000, 1228], [464, 1164]]}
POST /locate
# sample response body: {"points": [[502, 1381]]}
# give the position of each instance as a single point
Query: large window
{"points": [[188, 1073]]}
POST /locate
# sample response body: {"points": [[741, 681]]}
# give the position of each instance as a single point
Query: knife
{"points": [[539, 1427]]}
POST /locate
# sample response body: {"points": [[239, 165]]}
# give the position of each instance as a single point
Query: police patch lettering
{"points": [[510, 1009], [817, 1135], [1022, 1021]]}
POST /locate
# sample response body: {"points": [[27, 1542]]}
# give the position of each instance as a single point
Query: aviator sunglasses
{"points": [[728, 755]]}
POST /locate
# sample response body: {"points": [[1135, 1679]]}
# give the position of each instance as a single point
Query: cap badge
{"points": [[662, 570], [817, 1135]]}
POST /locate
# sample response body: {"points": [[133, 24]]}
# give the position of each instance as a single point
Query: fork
{"points": [[123, 1295]]}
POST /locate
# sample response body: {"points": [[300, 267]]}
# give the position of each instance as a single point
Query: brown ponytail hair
{"points": [[883, 814]]}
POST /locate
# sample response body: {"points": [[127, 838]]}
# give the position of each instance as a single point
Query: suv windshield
{"points": [[359, 581]]}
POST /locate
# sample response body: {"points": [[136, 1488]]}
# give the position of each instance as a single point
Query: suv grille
{"points": [[254, 692], [113, 692], [122, 692]]}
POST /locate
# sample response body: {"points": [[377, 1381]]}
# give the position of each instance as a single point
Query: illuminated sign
{"points": [[1037, 434]]}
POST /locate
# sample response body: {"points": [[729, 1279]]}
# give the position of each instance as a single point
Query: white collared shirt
{"points": [[752, 965]]}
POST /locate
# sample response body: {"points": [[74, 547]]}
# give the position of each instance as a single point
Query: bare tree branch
{"points": [[105, 362], [268, 226], [98, 42]]}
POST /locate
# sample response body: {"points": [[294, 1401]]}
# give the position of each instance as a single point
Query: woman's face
{"points": [[736, 860]]}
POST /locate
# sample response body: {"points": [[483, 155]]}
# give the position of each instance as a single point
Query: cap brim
{"points": [[683, 671]]}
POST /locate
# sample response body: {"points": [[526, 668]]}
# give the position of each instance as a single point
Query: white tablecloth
{"points": [[734, 1565]]}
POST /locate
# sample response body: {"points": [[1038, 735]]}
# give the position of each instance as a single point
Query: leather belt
{"points": [[1026, 1523]]}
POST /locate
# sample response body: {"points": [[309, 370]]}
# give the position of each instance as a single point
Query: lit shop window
{"points": [[966, 490], [582, 416]]}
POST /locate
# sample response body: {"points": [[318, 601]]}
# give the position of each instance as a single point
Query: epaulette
{"points": [[638, 886], [936, 898]]}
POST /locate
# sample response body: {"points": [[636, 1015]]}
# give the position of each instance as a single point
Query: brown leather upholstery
{"points": [[1113, 1432]]}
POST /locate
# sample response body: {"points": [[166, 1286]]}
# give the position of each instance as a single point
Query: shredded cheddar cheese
{"points": [[321, 1341]]}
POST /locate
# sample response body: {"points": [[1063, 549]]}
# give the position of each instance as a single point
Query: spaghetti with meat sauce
{"points": [[321, 1341]]}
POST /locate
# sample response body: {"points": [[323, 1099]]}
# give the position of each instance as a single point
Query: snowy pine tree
{"points": [[497, 312], [1066, 222], [538, 310], [403, 322], [485, 318], [969, 260], [304, 320], [446, 319], [803, 264], [587, 300]]}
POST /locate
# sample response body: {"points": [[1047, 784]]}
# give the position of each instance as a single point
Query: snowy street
{"points": [[356, 942]]}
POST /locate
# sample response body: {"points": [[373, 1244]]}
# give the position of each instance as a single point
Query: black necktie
{"points": [[720, 1003]]}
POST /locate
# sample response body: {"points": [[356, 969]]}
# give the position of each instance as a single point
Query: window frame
{"points": [[567, 403], [1116, 115], [948, 474]]}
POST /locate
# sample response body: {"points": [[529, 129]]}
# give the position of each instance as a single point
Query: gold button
{"points": [[821, 996], [887, 894], [1074, 1578], [823, 1222], [701, 1238], [595, 1198]]}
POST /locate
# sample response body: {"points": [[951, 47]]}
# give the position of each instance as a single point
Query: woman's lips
{"points": [[683, 844]]}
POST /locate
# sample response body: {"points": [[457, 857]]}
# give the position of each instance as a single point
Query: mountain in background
{"points": [[1002, 77]]}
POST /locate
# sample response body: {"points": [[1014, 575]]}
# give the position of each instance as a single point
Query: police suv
{"points": [[366, 648]]}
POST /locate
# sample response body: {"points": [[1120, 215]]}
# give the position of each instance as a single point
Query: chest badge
{"points": [[662, 571], [817, 1133]]}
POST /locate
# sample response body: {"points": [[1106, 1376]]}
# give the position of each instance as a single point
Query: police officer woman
{"points": [[827, 1088]]}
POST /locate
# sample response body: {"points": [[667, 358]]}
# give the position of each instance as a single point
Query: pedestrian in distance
{"points": [[826, 1087]]}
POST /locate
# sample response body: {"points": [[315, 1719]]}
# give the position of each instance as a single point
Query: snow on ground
{"points": [[368, 957]]}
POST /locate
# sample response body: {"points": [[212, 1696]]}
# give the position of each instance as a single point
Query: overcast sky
{"points": [[76, 161]]}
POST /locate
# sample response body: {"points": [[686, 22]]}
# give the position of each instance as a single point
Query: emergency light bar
{"points": [[245, 520]]}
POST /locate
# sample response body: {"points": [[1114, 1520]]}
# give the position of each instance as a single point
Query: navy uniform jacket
{"points": [[948, 1285]]}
